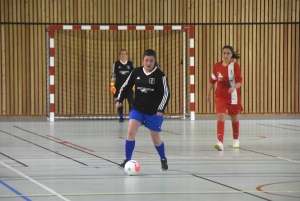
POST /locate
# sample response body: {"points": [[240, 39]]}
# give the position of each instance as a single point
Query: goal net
{"points": [[80, 60]]}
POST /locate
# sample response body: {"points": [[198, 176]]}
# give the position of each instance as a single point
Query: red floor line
{"points": [[259, 188], [66, 142]]}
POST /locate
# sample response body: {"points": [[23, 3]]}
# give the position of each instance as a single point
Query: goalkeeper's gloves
{"points": [[133, 88], [112, 88]]}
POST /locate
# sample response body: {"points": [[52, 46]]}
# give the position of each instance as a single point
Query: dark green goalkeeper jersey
{"points": [[152, 92]]}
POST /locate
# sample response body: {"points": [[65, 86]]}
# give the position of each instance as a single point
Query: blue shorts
{"points": [[152, 122]]}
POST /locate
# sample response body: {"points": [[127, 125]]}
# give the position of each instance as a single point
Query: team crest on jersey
{"points": [[220, 76], [128, 67], [151, 80], [123, 72]]}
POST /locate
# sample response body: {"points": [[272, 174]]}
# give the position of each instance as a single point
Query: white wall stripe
{"points": [[51, 61], [192, 79], [68, 27], [122, 27], [51, 42], [192, 61], [104, 27], [192, 97], [86, 27], [140, 27], [158, 27], [191, 43], [51, 79], [176, 27], [51, 98]]}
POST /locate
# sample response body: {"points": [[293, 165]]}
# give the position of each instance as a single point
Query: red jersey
{"points": [[227, 76]]}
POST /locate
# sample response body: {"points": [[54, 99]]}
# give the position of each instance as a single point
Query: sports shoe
{"points": [[164, 164], [122, 165], [236, 144], [121, 119], [219, 146]]}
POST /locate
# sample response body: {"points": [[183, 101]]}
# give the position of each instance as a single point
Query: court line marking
{"points": [[290, 160], [286, 159], [66, 142], [259, 188], [289, 125], [208, 140], [13, 160], [149, 193], [229, 187], [171, 132], [36, 182], [63, 141], [68, 146], [15, 191], [278, 127], [44, 148]]}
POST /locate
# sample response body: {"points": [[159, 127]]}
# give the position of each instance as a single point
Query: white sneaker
{"points": [[236, 144], [219, 146]]}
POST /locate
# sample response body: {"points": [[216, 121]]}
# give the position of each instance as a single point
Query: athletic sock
{"points": [[236, 130], [129, 147], [161, 150], [220, 130]]}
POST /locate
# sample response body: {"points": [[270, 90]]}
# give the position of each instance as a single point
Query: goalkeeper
{"points": [[120, 72]]}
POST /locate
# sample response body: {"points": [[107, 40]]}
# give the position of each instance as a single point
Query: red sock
{"points": [[220, 130], [235, 130]]}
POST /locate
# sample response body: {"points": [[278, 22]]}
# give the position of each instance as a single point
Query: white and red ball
{"points": [[132, 167]]}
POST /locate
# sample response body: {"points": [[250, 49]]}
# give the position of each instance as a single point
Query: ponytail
{"points": [[235, 55]]}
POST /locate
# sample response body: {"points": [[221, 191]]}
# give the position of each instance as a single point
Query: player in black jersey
{"points": [[151, 98], [120, 72]]}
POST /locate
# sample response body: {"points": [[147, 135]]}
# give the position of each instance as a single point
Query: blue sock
{"points": [[121, 115], [129, 147], [161, 150]]}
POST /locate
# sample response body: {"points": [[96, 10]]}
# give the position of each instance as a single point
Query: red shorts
{"points": [[221, 107]]}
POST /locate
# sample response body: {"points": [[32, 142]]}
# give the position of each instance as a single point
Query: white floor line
{"points": [[41, 185], [288, 159]]}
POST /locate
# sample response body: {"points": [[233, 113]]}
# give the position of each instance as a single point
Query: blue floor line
{"points": [[15, 191]]}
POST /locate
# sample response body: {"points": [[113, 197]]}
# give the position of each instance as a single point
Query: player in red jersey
{"points": [[227, 95]]}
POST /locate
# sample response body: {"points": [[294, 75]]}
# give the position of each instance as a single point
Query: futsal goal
{"points": [[80, 59]]}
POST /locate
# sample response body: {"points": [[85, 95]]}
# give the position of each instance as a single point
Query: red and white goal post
{"points": [[80, 59]]}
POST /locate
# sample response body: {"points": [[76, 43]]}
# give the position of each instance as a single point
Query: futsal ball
{"points": [[132, 167]]}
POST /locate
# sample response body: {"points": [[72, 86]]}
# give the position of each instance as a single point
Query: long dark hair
{"points": [[150, 52], [235, 55]]}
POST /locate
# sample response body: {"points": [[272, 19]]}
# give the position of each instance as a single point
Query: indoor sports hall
{"points": [[230, 74]]}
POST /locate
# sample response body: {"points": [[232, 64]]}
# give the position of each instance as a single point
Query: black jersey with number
{"points": [[151, 90], [121, 72]]}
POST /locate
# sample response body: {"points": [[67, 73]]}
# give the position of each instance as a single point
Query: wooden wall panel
{"points": [[81, 65], [265, 33]]}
